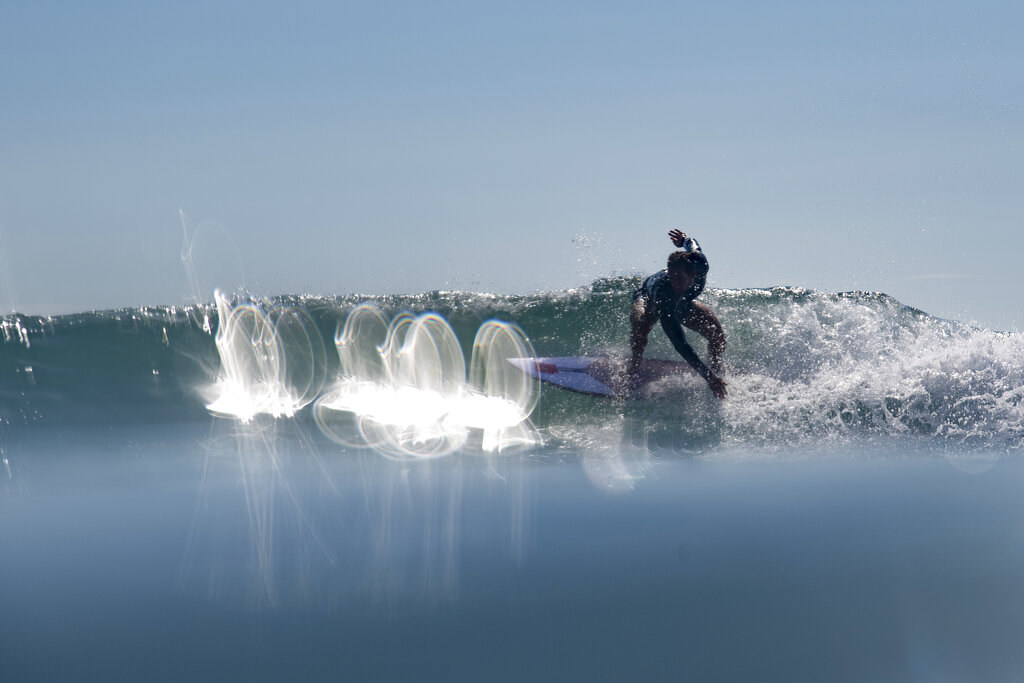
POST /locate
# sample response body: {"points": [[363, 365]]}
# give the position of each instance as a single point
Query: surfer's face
{"points": [[681, 279]]}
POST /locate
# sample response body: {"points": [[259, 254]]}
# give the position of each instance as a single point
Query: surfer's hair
{"points": [[692, 261]]}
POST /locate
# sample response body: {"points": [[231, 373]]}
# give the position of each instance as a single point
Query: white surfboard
{"points": [[599, 375]]}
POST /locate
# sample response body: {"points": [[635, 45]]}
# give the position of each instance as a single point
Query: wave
{"points": [[804, 367]]}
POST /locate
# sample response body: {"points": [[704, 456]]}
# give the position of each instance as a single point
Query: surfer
{"points": [[668, 296]]}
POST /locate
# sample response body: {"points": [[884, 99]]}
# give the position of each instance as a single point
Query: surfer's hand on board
{"points": [[677, 236], [717, 386]]}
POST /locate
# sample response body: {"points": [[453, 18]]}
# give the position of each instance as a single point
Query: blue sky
{"points": [[376, 147]]}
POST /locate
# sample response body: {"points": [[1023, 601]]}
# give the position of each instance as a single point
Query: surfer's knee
{"points": [[640, 318], [703, 320], [637, 311]]}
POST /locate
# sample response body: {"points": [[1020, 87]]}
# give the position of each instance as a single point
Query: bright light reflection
{"points": [[403, 389], [271, 362]]}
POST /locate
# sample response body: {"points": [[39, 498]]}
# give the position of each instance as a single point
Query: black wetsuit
{"points": [[672, 309]]}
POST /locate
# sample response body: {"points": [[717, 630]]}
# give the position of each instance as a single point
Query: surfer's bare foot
{"points": [[625, 382], [717, 386], [632, 381]]}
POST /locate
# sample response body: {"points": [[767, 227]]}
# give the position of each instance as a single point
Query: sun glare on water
{"points": [[402, 386]]}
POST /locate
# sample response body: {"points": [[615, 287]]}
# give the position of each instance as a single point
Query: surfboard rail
{"points": [[598, 375]]}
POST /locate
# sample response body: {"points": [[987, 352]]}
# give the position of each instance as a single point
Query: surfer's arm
{"points": [[674, 331], [683, 241], [666, 303], [703, 320]]}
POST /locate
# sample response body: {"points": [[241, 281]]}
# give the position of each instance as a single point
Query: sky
{"points": [[152, 151]]}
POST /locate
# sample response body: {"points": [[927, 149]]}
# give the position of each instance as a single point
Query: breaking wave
{"points": [[804, 368]]}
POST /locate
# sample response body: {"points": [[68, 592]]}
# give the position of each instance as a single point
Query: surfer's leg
{"points": [[703, 320], [640, 321]]}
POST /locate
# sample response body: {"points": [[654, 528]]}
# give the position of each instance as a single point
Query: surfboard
{"points": [[599, 375]]}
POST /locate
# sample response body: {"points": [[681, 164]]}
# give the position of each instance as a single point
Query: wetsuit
{"points": [[672, 309]]}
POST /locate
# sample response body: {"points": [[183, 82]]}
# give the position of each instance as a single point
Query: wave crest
{"points": [[804, 368]]}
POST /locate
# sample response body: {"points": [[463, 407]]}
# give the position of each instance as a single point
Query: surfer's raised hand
{"points": [[677, 236], [717, 385]]}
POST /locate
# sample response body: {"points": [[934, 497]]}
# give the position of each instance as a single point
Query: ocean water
{"points": [[360, 488]]}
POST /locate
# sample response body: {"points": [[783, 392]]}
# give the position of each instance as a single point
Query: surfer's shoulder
{"points": [[655, 279]]}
